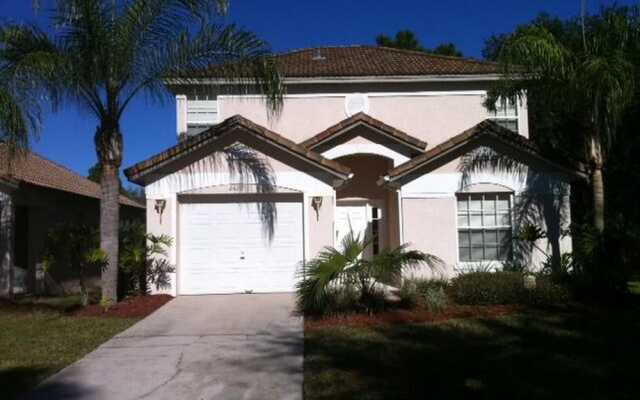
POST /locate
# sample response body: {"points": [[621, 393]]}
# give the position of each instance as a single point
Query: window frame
{"points": [[503, 114], [497, 228]]}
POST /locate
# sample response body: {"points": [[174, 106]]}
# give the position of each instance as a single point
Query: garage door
{"points": [[225, 248]]}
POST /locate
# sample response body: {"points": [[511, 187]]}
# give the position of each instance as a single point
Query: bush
{"points": [[409, 294], [489, 288], [548, 293], [435, 298], [485, 288], [423, 285]]}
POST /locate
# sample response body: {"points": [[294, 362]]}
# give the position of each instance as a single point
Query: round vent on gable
{"points": [[355, 103]]}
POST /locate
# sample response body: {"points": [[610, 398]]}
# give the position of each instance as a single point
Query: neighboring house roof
{"points": [[139, 171], [39, 171], [361, 118], [486, 132], [366, 61]]}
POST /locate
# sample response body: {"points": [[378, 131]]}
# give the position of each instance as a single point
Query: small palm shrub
{"points": [[326, 278], [143, 260]]}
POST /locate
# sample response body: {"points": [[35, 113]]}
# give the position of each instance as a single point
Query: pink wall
{"points": [[320, 226], [430, 226], [432, 118]]}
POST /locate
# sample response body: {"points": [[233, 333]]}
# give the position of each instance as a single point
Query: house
{"points": [[37, 194], [369, 139]]}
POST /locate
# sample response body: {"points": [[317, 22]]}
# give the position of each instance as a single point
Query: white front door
{"points": [[364, 217], [224, 248]]}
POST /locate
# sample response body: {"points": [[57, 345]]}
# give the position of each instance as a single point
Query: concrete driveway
{"points": [[199, 347]]}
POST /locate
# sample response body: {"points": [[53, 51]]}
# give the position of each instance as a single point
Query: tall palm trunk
{"points": [[597, 181], [109, 148], [597, 184]]}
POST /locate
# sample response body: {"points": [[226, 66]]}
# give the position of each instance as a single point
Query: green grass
{"points": [[37, 339], [567, 354], [634, 287]]}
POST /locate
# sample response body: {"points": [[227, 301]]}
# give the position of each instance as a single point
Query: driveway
{"points": [[198, 347]]}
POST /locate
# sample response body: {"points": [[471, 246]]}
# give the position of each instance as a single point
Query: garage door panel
{"points": [[224, 248]]}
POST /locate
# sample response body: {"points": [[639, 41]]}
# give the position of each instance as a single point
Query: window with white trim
{"points": [[484, 227], [506, 114]]}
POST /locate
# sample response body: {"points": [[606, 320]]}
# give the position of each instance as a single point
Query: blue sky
{"points": [[67, 136]]}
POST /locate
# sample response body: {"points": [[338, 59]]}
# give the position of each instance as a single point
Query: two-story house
{"points": [[369, 139]]}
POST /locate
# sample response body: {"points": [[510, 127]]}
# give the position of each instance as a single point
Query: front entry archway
{"points": [[364, 206]]}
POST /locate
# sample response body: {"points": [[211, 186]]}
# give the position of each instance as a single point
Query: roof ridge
{"points": [[387, 48]]}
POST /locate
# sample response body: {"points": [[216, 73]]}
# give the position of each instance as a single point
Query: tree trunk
{"points": [[597, 184], [108, 142], [109, 223]]}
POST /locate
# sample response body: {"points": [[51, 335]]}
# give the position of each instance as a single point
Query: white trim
{"points": [[306, 228], [477, 263], [400, 217], [347, 149], [182, 117], [174, 254], [347, 79], [431, 93]]}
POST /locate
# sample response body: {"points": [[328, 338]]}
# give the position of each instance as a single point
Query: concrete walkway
{"points": [[200, 347]]}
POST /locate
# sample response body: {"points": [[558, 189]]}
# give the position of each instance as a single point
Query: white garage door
{"points": [[224, 248]]}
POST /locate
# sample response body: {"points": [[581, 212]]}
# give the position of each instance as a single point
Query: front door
{"points": [[364, 217]]}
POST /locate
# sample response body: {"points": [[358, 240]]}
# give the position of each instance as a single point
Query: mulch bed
{"points": [[411, 316], [131, 307]]}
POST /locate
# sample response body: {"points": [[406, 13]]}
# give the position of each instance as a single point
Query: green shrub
{"points": [[435, 298], [485, 288], [425, 284], [549, 293], [409, 294], [488, 288]]}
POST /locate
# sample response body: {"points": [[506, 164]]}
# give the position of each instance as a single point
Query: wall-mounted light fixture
{"points": [[159, 207], [316, 203]]}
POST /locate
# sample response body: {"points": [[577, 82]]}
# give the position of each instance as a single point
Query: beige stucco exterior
{"points": [[431, 116], [421, 213]]}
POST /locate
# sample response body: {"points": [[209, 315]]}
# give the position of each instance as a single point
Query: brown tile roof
{"points": [[463, 142], [137, 171], [362, 118], [359, 61], [37, 170]]}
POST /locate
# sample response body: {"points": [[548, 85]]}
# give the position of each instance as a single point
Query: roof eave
{"points": [[175, 81]]}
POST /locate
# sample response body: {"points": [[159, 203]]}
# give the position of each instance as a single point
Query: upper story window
{"points": [[506, 114], [484, 226], [194, 115]]}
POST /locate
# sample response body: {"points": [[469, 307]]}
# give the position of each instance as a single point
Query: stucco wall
{"points": [[320, 226], [165, 225], [430, 226], [433, 118]]}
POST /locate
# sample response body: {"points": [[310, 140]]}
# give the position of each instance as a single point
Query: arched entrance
{"points": [[364, 206]]}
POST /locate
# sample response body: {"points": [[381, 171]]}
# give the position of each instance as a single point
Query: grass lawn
{"points": [[564, 354], [37, 339]]}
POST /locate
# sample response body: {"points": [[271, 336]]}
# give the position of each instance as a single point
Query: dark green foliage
{"points": [[587, 89], [143, 259], [75, 246], [489, 288], [407, 40]]}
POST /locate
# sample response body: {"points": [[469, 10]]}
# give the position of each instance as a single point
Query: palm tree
{"points": [[586, 79], [103, 54], [336, 273]]}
